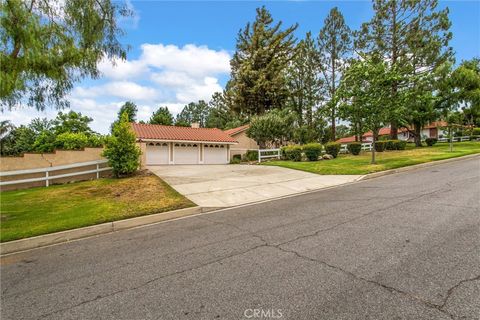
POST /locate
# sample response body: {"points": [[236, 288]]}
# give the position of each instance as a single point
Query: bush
{"points": [[121, 150], [476, 132], [251, 155], [390, 144], [380, 146], [312, 151], [400, 144], [45, 142], [430, 141], [293, 153], [332, 148], [237, 156], [354, 148], [71, 141], [235, 160], [95, 141]]}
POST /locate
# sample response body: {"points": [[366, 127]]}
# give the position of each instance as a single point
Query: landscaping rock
{"points": [[327, 156]]}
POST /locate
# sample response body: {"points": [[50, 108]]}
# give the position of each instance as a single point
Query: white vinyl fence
{"points": [[49, 170], [268, 154], [455, 139], [365, 147]]}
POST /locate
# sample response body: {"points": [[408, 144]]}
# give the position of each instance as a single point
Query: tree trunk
{"points": [[418, 135], [393, 130], [375, 137]]}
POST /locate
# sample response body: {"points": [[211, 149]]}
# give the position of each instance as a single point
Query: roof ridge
{"points": [[172, 126]]}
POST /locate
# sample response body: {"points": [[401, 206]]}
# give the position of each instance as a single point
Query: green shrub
{"points": [[312, 151], [121, 150], [251, 155], [380, 146], [400, 145], [390, 144], [71, 141], [333, 148], [354, 148], [293, 153], [430, 141], [237, 156], [44, 142], [95, 141], [235, 160]]}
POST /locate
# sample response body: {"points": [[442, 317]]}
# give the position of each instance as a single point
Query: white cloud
{"points": [[163, 75]]}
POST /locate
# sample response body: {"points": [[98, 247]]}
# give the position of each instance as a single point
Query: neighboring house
{"points": [[433, 130], [244, 143], [163, 145]]}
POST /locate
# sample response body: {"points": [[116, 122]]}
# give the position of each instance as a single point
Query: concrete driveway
{"points": [[231, 185]]}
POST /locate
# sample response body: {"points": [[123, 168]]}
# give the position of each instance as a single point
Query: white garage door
{"points": [[185, 153], [215, 154], [157, 153]]}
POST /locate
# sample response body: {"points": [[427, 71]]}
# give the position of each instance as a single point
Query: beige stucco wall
{"points": [[44, 160], [143, 156], [244, 143]]}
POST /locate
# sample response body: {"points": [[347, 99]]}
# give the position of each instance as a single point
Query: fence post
{"points": [[98, 172], [46, 181], [259, 158]]}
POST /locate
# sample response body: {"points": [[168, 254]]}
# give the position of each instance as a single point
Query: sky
{"points": [[180, 52]]}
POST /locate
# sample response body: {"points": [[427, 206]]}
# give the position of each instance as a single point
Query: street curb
{"points": [[107, 227], [416, 166]]}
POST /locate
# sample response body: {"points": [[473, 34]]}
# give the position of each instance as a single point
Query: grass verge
{"points": [[37, 211], [349, 164]]}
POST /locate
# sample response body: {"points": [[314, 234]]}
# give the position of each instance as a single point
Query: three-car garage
{"points": [[169, 145]]}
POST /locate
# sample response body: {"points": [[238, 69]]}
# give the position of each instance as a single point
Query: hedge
{"points": [[380, 146], [312, 151], [430, 141], [251, 155], [293, 153], [354, 148], [332, 148]]}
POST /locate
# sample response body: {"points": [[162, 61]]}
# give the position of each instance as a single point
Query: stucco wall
{"points": [[244, 144], [44, 160]]}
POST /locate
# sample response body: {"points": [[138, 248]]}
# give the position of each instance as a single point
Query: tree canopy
{"points": [[47, 46]]}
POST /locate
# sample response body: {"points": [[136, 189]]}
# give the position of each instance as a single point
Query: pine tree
{"points": [[193, 112], [413, 37], [162, 116], [334, 44], [304, 82], [258, 77]]}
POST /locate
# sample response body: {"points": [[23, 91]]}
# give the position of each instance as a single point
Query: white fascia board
{"points": [[184, 141]]}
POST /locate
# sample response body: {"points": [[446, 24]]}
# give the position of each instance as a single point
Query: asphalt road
{"points": [[404, 246]]}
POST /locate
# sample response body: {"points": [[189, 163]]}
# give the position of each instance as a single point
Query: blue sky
{"points": [[180, 51]]}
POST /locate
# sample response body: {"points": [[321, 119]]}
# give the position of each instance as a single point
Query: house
{"points": [[244, 143], [432, 130], [170, 145]]}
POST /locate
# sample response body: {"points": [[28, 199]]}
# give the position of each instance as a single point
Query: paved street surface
{"points": [[232, 185], [403, 246]]}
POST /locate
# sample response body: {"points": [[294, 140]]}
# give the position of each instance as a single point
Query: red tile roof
{"points": [[386, 131], [172, 133], [236, 130]]}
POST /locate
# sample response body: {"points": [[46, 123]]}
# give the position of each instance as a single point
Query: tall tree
{"points": [[258, 76], [220, 115], [304, 82], [73, 122], [412, 36], [334, 44], [367, 83], [466, 83], [130, 109], [47, 46], [162, 116], [193, 112]]}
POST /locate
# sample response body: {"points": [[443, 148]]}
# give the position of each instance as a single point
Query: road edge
{"points": [[416, 166], [98, 229]]}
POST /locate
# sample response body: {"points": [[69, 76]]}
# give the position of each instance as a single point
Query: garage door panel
{"points": [[215, 154], [157, 153], [186, 154]]}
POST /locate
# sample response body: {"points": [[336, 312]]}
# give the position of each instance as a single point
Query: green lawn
{"points": [[349, 164], [36, 211]]}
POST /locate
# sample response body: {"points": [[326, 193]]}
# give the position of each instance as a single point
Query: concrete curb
{"points": [[68, 235], [416, 166]]}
